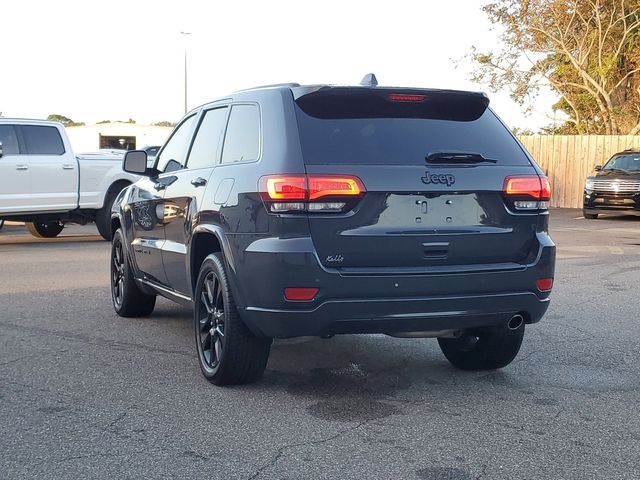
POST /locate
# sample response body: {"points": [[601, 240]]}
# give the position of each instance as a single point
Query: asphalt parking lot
{"points": [[86, 394]]}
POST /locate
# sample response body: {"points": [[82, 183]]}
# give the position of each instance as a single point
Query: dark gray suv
{"points": [[292, 210]]}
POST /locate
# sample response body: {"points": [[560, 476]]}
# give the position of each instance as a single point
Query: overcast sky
{"points": [[114, 59]]}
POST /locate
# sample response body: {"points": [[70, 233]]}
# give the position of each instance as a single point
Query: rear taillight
{"points": [[310, 193], [528, 192]]}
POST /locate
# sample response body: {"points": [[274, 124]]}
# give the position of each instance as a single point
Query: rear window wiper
{"points": [[457, 157]]}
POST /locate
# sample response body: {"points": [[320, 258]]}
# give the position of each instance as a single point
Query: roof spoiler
{"points": [[322, 101]]}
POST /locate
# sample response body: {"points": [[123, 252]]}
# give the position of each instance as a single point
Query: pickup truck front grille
{"points": [[617, 186]]}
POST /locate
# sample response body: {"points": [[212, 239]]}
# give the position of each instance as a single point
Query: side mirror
{"points": [[598, 168], [135, 161], [0, 149]]}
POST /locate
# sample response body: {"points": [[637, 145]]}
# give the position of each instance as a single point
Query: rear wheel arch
{"points": [[203, 243]]}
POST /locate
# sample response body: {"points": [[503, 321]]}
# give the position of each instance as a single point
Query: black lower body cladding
{"points": [[370, 301]]}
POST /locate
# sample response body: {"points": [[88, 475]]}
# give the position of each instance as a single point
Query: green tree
{"points": [[66, 121], [587, 51]]}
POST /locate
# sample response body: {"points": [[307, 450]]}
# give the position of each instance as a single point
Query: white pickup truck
{"points": [[45, 185]]}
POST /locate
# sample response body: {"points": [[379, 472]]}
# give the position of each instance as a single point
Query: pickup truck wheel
{"points": [[590, 216], [128, 299], [44, 229], [486, 349], [228, 352]]}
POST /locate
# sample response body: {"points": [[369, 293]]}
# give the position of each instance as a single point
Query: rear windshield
{"points": [[403, 141]]}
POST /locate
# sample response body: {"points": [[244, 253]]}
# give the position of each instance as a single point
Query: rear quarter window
{"points": [[404, 141], [42, 140], [242, 140]]}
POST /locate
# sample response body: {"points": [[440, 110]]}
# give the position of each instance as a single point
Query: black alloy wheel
{"points": [[128, 299], [228, 352], [117, 275], [211, 318]]}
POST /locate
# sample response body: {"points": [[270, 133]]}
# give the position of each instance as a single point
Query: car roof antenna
{"points": [[369, 80]]}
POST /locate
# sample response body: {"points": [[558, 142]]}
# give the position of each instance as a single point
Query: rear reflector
{"points": [[544, 284], [300, 294]]}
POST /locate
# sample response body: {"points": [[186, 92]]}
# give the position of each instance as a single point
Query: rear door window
{"points": [[242, 141], [9, 140], [333, 139], [42, 140], [204, 152]]}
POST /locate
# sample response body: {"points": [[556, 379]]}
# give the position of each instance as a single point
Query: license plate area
{"points": [[433, 210]]}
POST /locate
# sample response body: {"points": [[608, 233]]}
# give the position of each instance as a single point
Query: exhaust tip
{"points": [[515, 322]]}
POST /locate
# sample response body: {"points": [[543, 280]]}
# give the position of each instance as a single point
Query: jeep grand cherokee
{"points": [[293, 210]]}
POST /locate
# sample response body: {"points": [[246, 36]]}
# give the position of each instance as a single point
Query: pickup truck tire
{"points": [[44, 229], [128, 299], [486, 349], [228, 352], [589, 216]]}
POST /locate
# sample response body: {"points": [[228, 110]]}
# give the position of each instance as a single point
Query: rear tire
{"points": [[590, 216], [483, 349], [44, 229], [128, 300], [228, 353]]}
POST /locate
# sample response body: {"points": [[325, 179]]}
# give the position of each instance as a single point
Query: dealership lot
{"points": [[87, 394]]}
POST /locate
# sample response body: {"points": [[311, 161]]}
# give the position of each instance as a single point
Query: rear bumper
{"points": [[392, 315], [381, 302]]}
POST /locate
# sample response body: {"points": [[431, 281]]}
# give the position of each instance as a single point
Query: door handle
{"points": [[68, 166], [198, 182], [22, 167]]}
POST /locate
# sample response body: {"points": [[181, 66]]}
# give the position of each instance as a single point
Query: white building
{"points": [[116, 135]]}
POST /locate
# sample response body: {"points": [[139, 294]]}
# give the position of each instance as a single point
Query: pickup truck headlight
{"points": [[589, 184]]}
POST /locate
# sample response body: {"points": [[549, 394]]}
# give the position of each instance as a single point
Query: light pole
{"points": [[185, 34]]}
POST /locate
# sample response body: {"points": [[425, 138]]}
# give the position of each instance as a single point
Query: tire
{"points": [[128, 300], [589, 216], [1, 224], [484, 349], [228, 353], [44, 229], [103, 216]]}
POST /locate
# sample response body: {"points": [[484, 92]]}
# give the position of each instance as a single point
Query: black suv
{"points": [[615, 188], [293, 210]]}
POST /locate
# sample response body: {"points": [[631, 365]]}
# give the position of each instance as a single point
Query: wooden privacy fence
{"points": [[569, 159]]}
